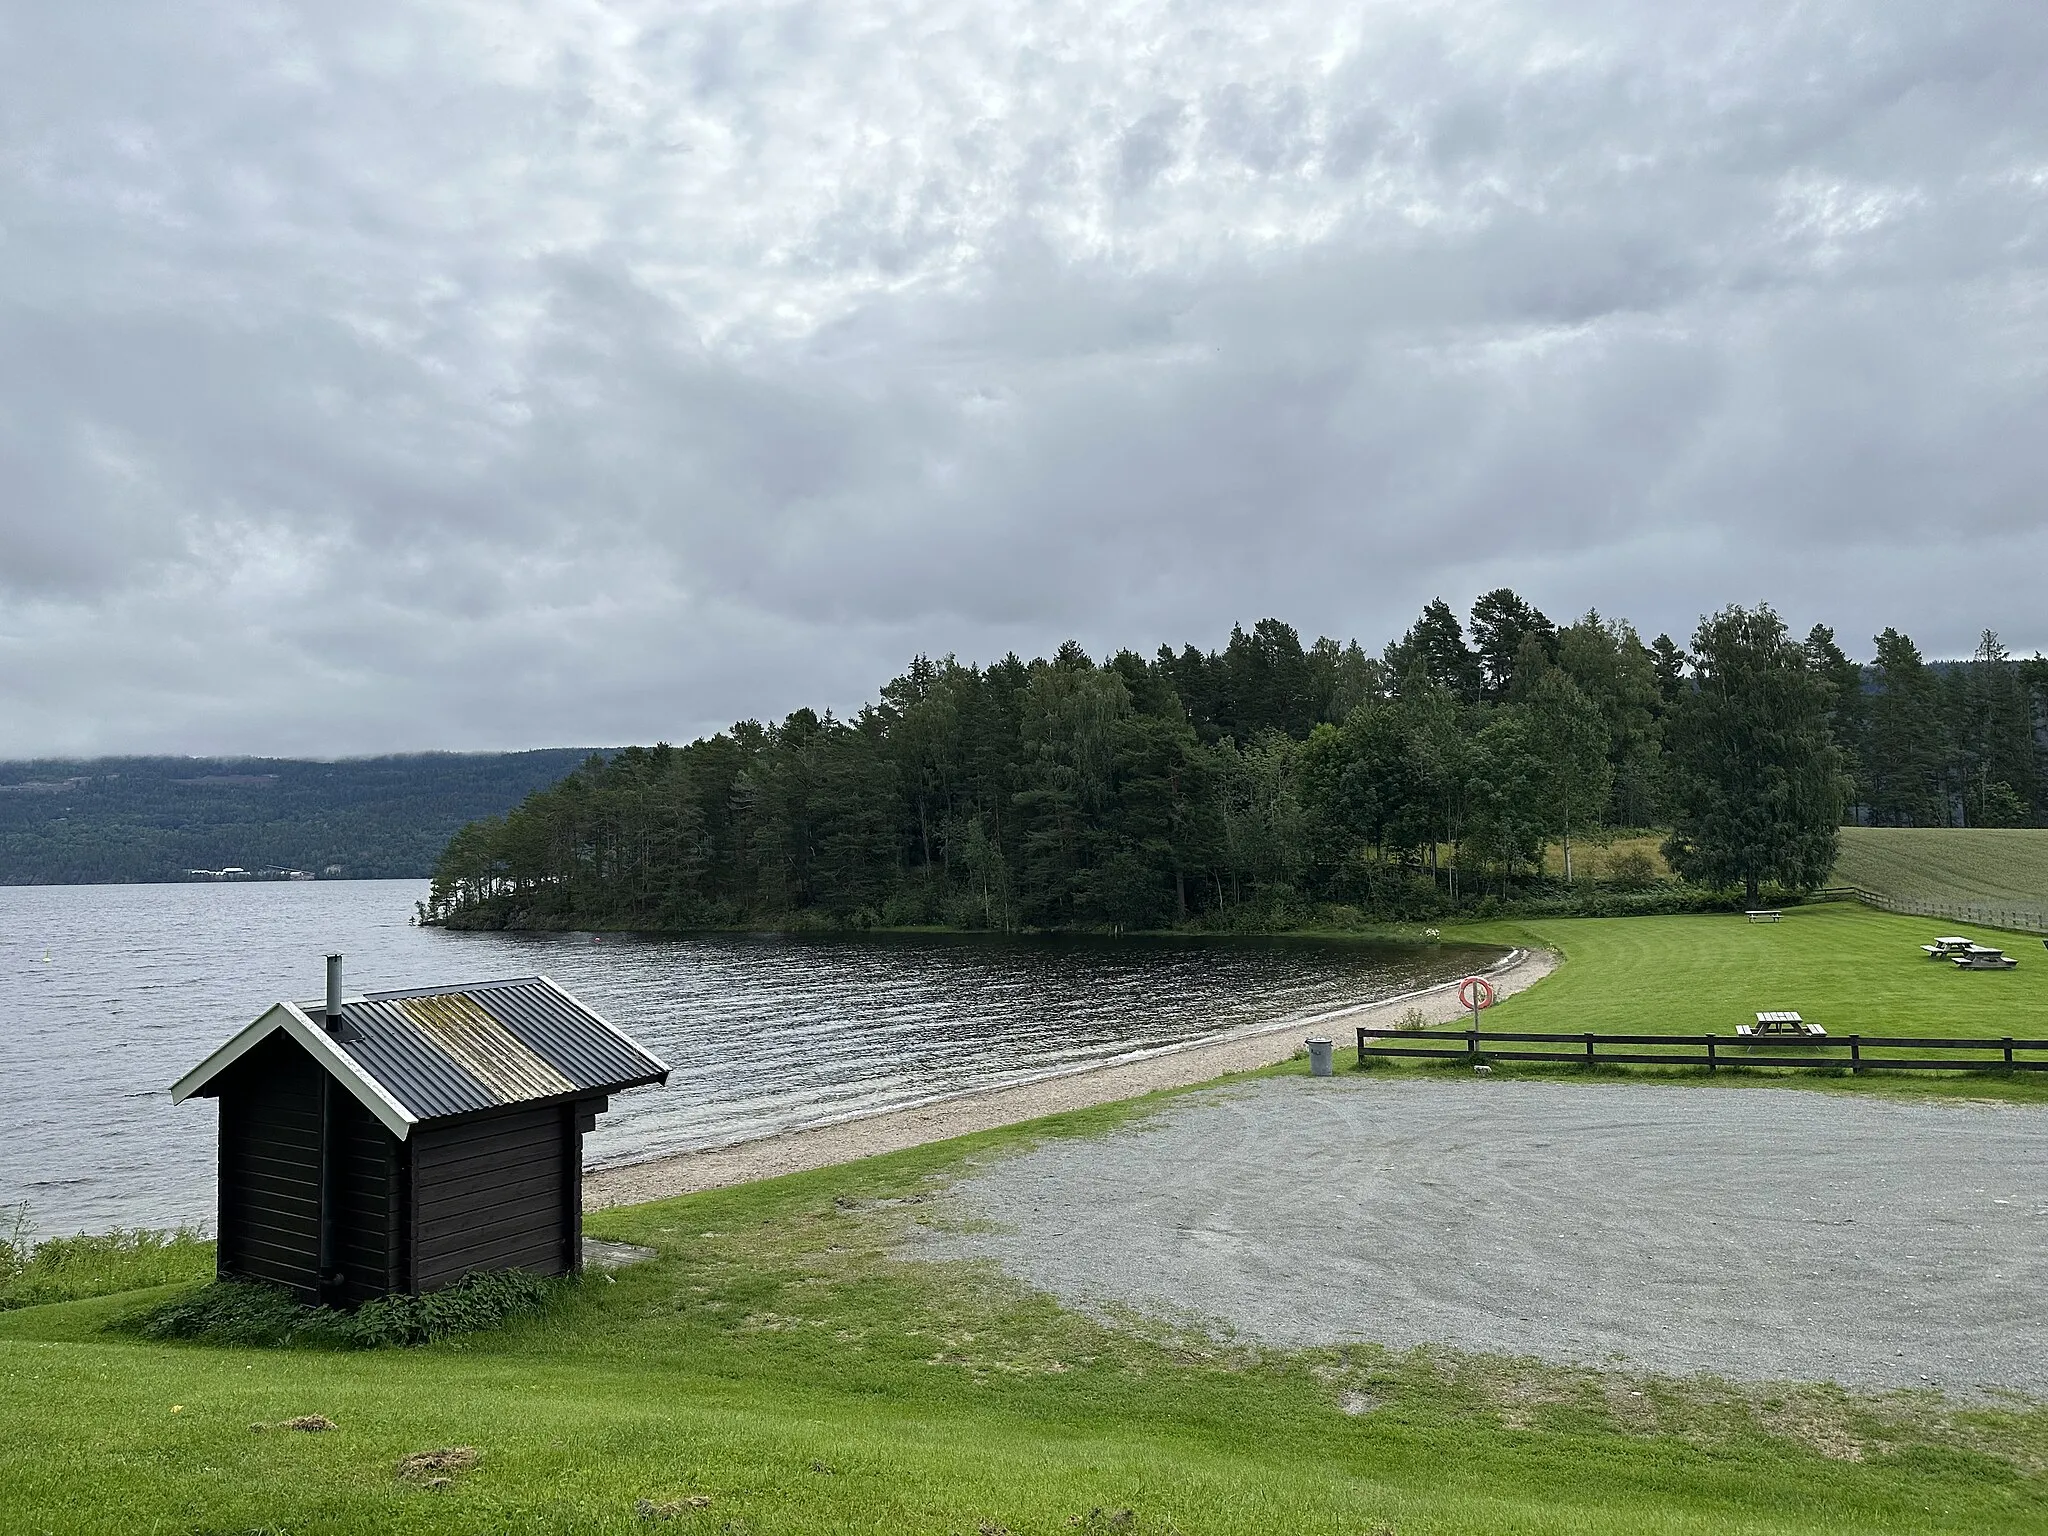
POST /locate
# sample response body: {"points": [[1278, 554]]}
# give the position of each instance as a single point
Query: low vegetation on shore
{"points": [[69, 1268], [783, 1366]]}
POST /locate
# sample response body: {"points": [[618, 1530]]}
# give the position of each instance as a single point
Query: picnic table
{"points": [[1979, 957], [1764, 916], [1942, 949], [1778, 1026]]}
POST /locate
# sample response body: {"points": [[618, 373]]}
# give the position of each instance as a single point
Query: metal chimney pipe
{"points": [[334, 994]]}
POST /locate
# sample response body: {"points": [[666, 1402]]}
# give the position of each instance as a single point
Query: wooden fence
{"points": [[1854, 1052], [2016, 919]]}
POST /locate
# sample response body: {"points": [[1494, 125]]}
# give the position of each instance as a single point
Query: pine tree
{"points": [[1994, 761], [1905, 750], [1434, 650], [1848, 710], [1501, 623]]}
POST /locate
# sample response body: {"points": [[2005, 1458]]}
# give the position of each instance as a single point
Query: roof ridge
{"points": [[441, 991]]}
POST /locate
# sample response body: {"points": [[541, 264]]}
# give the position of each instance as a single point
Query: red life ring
{"points": [[1475, 992]]}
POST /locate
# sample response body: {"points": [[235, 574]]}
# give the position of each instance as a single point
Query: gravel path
{"points": [[1757, 1233], [1176, 1066]]}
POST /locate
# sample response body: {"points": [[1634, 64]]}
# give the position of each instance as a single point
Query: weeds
{"points": [[245, 1313], [71, 1268]]}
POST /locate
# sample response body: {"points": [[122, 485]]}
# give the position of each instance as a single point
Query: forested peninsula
{"points": [[1272, 784]]}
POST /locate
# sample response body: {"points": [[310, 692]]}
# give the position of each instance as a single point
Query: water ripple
{"points": [[108, 993]]}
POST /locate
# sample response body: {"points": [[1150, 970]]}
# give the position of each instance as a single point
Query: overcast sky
{"points": [[382, 377]]}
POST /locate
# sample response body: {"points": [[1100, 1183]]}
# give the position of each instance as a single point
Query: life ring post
{"points": [[1475, 993]]}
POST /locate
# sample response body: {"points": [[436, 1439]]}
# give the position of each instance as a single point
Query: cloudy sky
{"points": [[478, 374]]}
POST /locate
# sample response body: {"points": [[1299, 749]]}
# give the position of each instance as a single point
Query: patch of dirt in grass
{"points": [[1104, 1520], [437, 1469], [1823, 1419], [670, 1509]]}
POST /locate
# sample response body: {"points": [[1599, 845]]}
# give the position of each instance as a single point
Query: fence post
{"points": [[2008, 1050], [1472, 1043], [1855, 1053], [1712, 1064]]}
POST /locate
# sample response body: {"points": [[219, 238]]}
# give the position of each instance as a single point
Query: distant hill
{"points": [[141, 819], [1992, 867]]}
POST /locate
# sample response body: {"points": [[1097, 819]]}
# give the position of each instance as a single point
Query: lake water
{"points": [[109, 993]]}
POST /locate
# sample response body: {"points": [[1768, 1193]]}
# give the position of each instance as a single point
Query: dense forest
{"points": [[1270, 782], [126, 819]]}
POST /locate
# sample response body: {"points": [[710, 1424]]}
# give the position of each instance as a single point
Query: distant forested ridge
{"points": [[1270, 782], [119, 819]]}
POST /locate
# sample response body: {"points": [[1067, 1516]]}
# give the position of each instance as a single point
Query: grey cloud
{"points": [[403, 377]]}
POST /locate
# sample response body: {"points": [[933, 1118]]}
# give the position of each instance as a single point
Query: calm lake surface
{"points": [[109, 993]]}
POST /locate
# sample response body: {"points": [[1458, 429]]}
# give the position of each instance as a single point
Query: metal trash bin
{"points": [[1318, 1058]]}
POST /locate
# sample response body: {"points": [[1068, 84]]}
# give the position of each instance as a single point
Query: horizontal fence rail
{"points": [[2017, 919], [1709, 1051]]}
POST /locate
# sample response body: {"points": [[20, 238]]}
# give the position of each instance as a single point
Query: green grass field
{"points": [[1989, 867], [1839, 964], [781, 1370]]}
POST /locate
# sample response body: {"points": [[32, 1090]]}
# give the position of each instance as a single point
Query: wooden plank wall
{"points": [[270, 1168], [370, 1231], [492, 1193]]}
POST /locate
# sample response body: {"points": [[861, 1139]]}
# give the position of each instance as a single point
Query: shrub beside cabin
{"points": [[398, 1141]]}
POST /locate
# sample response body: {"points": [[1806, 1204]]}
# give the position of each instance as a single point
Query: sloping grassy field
{"points": [[779, 1369], [1983, 866]]}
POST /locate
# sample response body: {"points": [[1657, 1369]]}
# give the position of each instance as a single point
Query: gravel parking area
{"points": [[1755, 1233]]}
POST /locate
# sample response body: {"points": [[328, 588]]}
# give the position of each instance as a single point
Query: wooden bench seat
{"points": [[1779, 1025]]}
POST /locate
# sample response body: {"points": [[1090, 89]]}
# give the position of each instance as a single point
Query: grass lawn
{"points": [[1844, 966], [780, 1369], [1987, 866], [1840, 964]]}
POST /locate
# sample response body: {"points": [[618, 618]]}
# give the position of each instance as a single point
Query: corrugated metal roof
{"points": [[454, 1050]]}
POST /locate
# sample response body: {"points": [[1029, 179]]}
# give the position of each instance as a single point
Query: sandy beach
{"points": [[1177, 1066]]}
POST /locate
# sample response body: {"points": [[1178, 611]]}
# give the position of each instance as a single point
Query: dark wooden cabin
{"points": [[398, 1141]]}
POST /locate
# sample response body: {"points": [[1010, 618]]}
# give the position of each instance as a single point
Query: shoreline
{"points": [[874, 1132]]}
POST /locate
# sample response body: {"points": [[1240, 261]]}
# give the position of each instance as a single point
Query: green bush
{"points": [[71, 1268], [248, 1313]]}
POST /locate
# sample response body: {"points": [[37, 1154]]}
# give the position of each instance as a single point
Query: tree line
{"points": [[1253, 784], [148, 819]]}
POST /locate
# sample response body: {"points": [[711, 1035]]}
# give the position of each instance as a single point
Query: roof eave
{"points": [[318, 1044], [661, 1075], [552, 1101]]}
